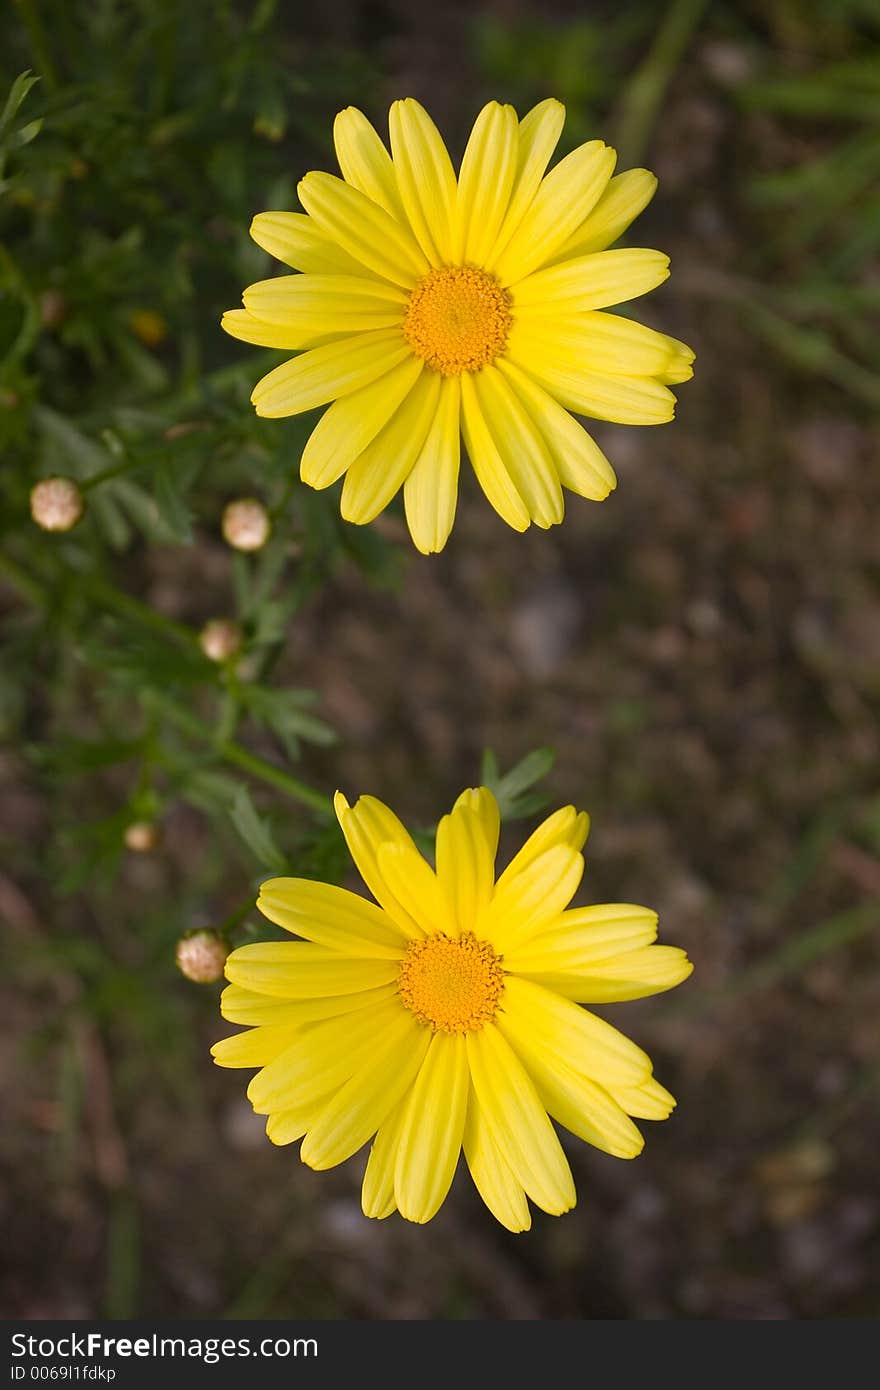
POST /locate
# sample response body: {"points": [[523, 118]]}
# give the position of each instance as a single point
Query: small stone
{"points": [[703, 617], [543, 628]]}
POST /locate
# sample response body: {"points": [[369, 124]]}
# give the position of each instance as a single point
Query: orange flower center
{"points": [[457, 319], [451, 983]]}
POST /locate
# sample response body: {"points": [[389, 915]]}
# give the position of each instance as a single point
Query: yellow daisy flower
{"points": [[448, 1017], [430, 306]]}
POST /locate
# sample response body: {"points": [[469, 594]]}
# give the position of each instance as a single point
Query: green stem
{"points": [[232, 752], [225, 748], [644, 93], [21, 579], [38, 42], [235, 919], [280, 506], [140, 612], [115, 470]]}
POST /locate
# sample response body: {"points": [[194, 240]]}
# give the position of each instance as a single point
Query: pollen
{"points": [[457, 319], [452, 984]]}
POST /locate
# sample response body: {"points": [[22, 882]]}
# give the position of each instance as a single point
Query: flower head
{"points": [[447, 1015], [431, 305]]}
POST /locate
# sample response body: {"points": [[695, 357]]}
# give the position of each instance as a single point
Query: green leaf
{"points": [[527, 772], [172, 508], [73, 755], [255, 832], [209, 790], [25, 134], [111, 521], [72, 452], [285, 713], [17, 93], [489, 769], [512, 790]]}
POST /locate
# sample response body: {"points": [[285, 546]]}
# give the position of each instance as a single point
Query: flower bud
{"points": [[142, 836], [149, 326], [246, 524], [56, 504], [201, 955], [220, 639], [53, 308]]}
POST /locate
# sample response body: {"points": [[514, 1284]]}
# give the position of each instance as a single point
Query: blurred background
{"points": [[701, 653]]}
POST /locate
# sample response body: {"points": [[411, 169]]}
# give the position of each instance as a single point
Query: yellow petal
{"points": [[365, 162], [430, 1141], [627, 400], [492, 472], [625, 197], [518, 1122], [331, 917], [255, 1046], [589, 934], [286, 1126], [350, 424], [525, 903], [521, 446], [632, 976], [485, 181], [577, 1103], [600, 342], [292, 237], [679, 369], [430, 492], [381, 470], [567, 826], [299, 970], [241, 324], [323, 1057], [492, 1175], [377, 1193], [482, 802], [538, 136], [568, 1034], [323, 373], [464, 865], [425, 178], [567, 194], [312, 305], [414, 885], [239, 1005], [650, 1101], [367, 825], [590, 282], [578, 460], [357, 1110], [363, 229]]}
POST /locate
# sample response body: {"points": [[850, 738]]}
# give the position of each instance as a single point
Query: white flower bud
{"points": [[56, 504], [246, 524], [220, 639], [201, 956]]}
